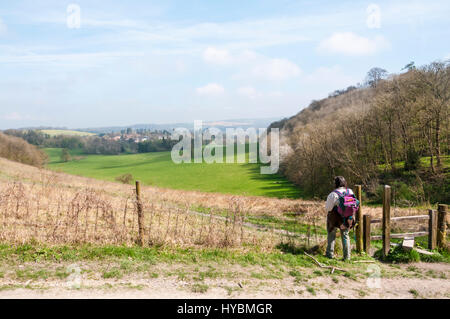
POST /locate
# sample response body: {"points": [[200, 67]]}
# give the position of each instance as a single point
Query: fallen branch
{"points": [[323, 266]]}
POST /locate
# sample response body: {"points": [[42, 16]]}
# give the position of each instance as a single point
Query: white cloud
{"points": [[276, 69], [275, 94], [252, 93], [14, 116], [74, 59], [248, 92], [326, 79], [252, 64], [349, 43], [217, 56], [210, 89]]}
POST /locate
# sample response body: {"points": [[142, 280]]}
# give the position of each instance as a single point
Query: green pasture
{"points": [[157, 169], [66, 132]]}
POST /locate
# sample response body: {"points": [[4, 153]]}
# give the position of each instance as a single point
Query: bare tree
{"points": [[375, 75]]}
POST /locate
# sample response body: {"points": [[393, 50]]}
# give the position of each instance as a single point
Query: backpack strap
{"points": [[339, 193]]}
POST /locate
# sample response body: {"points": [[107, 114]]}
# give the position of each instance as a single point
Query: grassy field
{"points": [[157, 169], [66, 132], [73, 237]]}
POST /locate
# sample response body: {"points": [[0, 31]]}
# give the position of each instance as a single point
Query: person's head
{"points": [[339, 181]]}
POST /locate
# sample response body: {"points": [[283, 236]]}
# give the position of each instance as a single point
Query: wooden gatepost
{"points": [[366, 233], [386, 223], [442, 227], [437, 227], [140, 215], [359, 222], [432, 226]]}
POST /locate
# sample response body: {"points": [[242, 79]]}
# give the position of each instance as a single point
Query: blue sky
{"points": [[177, 61]]}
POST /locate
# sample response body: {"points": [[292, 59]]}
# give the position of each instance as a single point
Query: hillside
{"points": [[395, 131], [354, 100], [17, 149]]}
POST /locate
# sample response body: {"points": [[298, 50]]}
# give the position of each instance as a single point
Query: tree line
{"points": [[395, 130], [91, 144]]}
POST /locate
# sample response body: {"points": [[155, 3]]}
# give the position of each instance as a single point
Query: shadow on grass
{"points": [[281, 188], [290, 248]]}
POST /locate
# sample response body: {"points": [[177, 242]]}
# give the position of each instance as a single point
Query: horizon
{"points": [[102, 64], [209, 122]]}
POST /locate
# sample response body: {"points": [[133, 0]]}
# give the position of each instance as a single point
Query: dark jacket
{"points": [[334, 220]]}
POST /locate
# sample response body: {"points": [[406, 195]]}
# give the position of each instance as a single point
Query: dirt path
{"points": [[254, 226], [423, 281]]}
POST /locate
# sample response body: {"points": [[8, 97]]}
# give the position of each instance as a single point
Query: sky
{"points": [[103, 63]]}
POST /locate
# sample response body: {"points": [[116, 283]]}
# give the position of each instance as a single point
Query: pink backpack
{"points": [[348, 204]]}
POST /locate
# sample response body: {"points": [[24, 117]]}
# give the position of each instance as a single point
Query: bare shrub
{"points": [[125, 178]]}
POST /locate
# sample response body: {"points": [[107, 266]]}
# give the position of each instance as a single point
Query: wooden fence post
{"points": [[441, 226], [359, 226], [366, 232], [432, 229], [386, 224], [140, 215]]}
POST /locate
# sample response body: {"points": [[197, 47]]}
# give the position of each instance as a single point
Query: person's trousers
{"points": [[345, 243]]}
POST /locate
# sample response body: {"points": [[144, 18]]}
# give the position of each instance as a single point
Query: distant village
{"points": [[137, 136]]}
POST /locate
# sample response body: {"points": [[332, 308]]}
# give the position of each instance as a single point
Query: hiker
{"points": [[341, 206]]}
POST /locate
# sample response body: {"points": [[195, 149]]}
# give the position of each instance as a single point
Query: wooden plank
{"points": [[432, 229], [402, 235], [359, 221], [441, 226], [366, 234], [377, 220], [410, 217], [386, 224], [408, 243], [421, 251]]}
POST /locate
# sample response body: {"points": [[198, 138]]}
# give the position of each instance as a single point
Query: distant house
{"points": [[133, 137]]}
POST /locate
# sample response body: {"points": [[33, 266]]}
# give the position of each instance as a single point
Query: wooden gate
{"points": [[436, 226]]}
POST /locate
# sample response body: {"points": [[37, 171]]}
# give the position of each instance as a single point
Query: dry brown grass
{"points": [[55, 208]]}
